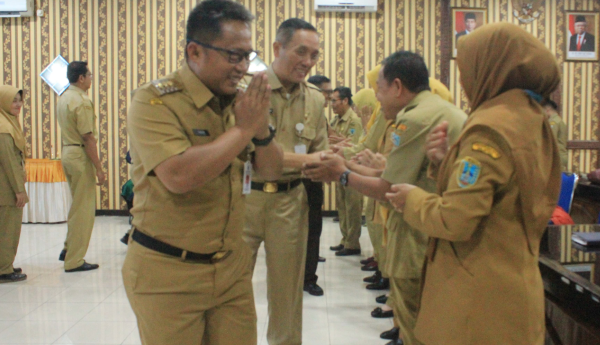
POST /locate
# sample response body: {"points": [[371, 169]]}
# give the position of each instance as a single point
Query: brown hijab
{"points": [[498, 62], [499, 57], [8, 122]]}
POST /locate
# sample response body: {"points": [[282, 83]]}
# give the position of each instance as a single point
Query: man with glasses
{"points": [[277, 209], [193, 143], [348, 201], [77, 121]]}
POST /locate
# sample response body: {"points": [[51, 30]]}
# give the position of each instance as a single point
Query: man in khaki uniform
{"points": [[277, 209], [405, 96], [187, 273], [349, 202], [77, 120], [559, 128]]}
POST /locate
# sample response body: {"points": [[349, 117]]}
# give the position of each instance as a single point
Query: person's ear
{"points": [[399, 87], [276, 48]]}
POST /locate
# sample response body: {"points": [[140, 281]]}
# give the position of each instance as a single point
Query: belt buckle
{"points": [[270, 187], [220, 256]]}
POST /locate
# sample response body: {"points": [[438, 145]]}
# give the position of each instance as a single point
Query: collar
{"points": [[276, 83], [77, 89], [347, 114], [415, 101], [199, 93]]}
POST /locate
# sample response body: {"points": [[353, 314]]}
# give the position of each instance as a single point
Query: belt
{"points": [[276, 187], [80, 145], [161, 247]]}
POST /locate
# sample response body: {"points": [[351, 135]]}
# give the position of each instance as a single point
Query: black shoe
{"points": [[363, 221], [337, 248], [367, 260], [371, 267], [374, 278], [382, 284], [12, 277], [380, 314], [336, 219], [17, 270], [395, 342], [62, 255], [381, 299], [125, 238], [84, 267], [321, 259], [313, 289], [347, 252], [392, 334]]}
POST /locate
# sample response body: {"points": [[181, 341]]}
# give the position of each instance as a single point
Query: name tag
{"points": [[247, 186], [201, 132], [300, 149]]}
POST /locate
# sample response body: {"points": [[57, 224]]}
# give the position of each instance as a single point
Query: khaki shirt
{"points": [[12, 172], [348, 126], [407, 163], [304, 105], [76, 117], [372, 139], [167, 117], [559, 128]]}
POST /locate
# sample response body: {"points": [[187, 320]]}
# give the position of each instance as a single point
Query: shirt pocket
{"points": [[307, 135]]}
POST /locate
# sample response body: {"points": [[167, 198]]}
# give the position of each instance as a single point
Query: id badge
{"points": [[300, 149], [247, 178]]}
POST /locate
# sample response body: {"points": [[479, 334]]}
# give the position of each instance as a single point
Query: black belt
{"points": [[161, 247], [80, 145], [276, 187]]}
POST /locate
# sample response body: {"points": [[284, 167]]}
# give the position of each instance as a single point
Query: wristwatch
{"points": [[266, 141], [344, 178]]}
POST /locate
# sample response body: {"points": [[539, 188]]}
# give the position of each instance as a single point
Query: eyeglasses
{"points": [[233, 56]]}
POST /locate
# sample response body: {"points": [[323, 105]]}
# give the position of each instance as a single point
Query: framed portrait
{"points": [[464, 21], [582, 33]]}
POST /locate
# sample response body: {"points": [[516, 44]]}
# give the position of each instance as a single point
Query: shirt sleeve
{"points": [[84, 117], [371, 140], [561, 138], [476, 176], [154, 131], [355, 131], [10, 164]]}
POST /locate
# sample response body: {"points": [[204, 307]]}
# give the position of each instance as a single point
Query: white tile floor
{"points": [[53, 307]]}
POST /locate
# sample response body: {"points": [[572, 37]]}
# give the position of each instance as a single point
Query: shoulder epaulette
{"points": [[312, 86], [166, 86]]}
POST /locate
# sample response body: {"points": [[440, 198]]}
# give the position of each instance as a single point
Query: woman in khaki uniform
{"points": [[12, 181], [497, 187]]}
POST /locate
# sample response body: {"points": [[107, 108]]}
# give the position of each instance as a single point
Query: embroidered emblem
{"points": [[396, 139], [156, 101], [469, 170], [201, 132], [488, 150], [401, 127], [166, 86], [352, 131]]}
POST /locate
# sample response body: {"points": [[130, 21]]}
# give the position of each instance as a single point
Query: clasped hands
{"points": [[252, 107]]}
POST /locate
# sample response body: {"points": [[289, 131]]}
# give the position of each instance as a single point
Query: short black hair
{"points": [[410, 68], [550, 103], [469, 15], [204, 22], [580, 19], [318, 80], [75, 69], [286, 30], [344, 92]]}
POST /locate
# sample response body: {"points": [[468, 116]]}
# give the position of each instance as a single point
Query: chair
{"points": [[567, 190]]}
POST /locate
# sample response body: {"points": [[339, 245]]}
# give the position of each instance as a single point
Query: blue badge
{"points": [[469, 170], [352, 131], [395, 139]]}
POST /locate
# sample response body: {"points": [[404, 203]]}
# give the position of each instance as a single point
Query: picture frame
{"points": [[465, 20], [582, 30]]}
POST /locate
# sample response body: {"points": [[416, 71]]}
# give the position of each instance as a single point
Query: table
{"points": [[571, 275], [48, 191]]}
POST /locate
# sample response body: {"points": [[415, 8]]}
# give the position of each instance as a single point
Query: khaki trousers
{"points": [[406, 306], [10, 232], [189, 303], [374, 235], [81, 176], [280, 220], [349, 205]]}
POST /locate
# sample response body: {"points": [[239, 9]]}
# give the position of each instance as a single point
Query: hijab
{"points": [[9, 123]]}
